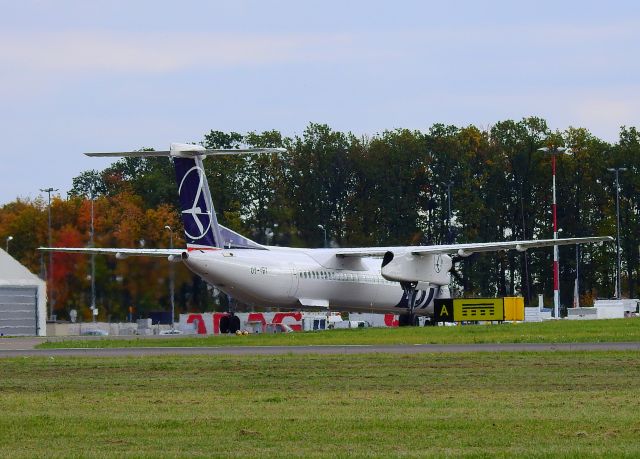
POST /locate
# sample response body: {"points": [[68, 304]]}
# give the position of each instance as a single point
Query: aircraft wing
{"points": [[119, 253], [465, 250]]}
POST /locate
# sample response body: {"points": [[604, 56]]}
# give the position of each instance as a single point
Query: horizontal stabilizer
{"points": [[120, 253]]}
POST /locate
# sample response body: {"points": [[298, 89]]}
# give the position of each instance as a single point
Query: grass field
{"points": [[504, 404], [563, 331]]}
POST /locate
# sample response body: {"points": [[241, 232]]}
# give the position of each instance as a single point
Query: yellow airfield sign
{"points": [[469, 309]]}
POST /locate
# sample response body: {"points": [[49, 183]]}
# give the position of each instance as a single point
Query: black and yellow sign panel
{"points": [[469, 309]]}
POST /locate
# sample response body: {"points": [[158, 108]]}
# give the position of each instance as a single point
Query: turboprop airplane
{"points": [[403, 280]]}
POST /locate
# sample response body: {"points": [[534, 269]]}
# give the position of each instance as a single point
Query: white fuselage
{"points": [[304, 278]]}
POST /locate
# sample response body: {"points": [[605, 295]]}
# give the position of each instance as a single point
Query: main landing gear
{"points": [[230, 323], [409, 318]]}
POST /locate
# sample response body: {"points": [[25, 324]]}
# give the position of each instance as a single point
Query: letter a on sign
{"points": [[443, 310]]}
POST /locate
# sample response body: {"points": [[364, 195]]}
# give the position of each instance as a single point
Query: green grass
{"points": [[563, 331], [484, 404]]}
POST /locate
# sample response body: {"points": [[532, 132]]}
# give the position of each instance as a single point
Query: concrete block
{"points": [[582, 313]]}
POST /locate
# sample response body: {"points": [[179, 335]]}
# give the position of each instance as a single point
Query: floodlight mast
{"points": [[50, 271], [617, 171], [93, 259], [556, 263]]}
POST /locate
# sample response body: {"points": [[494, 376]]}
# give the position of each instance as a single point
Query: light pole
{"points": [[9, 239], [93, 263], [50, 271], [553, 151], [617, 171], [576, 289], [325, 234], [171, 276]]}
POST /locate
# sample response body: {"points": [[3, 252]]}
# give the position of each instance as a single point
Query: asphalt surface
{"points": [[347, 349]]}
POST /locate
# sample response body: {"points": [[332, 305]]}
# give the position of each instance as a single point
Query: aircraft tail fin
{"points": [[201, 228]]}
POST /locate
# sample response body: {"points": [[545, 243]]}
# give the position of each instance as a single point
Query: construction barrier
{"points": [[262, 322]]}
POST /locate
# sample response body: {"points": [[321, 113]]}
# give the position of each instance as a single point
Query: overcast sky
{"points": [[81, 76]]}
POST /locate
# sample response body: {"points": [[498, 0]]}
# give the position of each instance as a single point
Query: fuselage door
{"points": [[293, 289]]}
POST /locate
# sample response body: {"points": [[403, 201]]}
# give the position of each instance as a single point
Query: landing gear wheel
{"points": [[234, 324], [407, 320], [224, 324]]}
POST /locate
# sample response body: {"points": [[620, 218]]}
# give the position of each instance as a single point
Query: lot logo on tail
{"points": [[197, 218], [197, 212]]}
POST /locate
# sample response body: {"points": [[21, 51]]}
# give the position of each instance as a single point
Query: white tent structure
{"points": [[23, 300]]}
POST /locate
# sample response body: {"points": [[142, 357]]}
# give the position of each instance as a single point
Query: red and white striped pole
{"points": [[556, 259]]}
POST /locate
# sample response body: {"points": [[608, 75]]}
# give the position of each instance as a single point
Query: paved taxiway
{"points": [[350, 349]]}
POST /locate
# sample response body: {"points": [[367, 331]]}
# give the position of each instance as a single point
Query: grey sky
{"points": [[81, 76]]}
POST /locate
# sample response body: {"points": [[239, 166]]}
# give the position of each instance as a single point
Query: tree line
{"points": [[387, 189]]}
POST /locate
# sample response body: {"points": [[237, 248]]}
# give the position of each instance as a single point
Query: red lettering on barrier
{"points": [[294, 323], [391, 321], [258, 317], [202, 329]]}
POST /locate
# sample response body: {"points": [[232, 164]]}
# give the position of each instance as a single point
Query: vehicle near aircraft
{"points": [[403, 280]]}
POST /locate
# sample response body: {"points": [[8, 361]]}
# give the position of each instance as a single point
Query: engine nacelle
{"points": [[175, 258], [406, 267]]}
